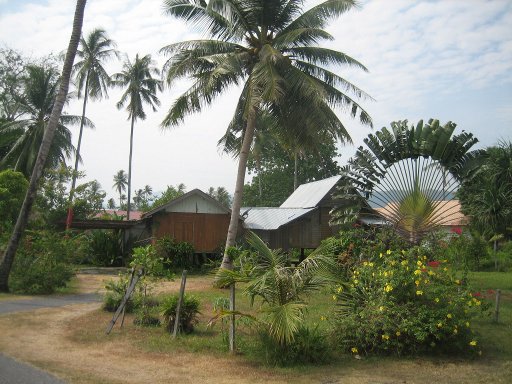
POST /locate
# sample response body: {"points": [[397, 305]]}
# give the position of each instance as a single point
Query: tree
{"points": [[487, 198], [274, 179], [53, 122], [13, 187], [23, 136], [270, 49], [169, 194], [141, 88], [111, 204], [120, 183], [221, 195], [12, 74], [408, 174], [92, 79]]}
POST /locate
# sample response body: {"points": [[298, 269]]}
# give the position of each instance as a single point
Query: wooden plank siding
{"points": [[205, 231]]}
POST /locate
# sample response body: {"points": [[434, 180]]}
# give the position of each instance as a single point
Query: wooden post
{"points": [[124, 307], [180, 301], [497, 307], [127, 295], [232, 318]]}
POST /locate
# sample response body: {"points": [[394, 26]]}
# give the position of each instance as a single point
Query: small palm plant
{"points": [[279, 287]]}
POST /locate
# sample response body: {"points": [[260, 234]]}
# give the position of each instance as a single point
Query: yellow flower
{"points": [[385, 274], [370, 264], [382, 308], [354, 350], [356, 281], [404, 262], [417, 272], [449, 315], [365, 263], [380, 255], [445, 269], [388, 252], [426, 281], [439, 325], [478, 302], [398, 333], [417, 282], [388, 288], [457, 281], [385, 337], [419, 293], [472, 343], [334, 297], [340, 289], [436, 299], [323, 318], [419, 263]]}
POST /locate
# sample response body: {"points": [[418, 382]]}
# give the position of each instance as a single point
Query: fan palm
{"points": [[92, 81], [23, 137], [408, 174], [141, 87], [120, 183], [270, 48]]}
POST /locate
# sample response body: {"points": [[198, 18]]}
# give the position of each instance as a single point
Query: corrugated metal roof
{"points": [[310, 194], [265, 218]]}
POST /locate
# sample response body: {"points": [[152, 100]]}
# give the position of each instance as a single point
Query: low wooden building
{"points": [[194, 217], [302, 221]]}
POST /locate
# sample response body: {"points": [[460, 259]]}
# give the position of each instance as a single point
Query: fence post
{"points": [[497, 307]]}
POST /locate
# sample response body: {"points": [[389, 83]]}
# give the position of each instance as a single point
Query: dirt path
{"points": [[62, 341]]}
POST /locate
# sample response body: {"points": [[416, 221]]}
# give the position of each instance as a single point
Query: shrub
{"points": [[115, 291], [41, 263], [310, 346], [176, 255], [188, 314], [105, 248], [398, 304]]}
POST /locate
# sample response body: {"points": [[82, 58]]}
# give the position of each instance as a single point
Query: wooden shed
{"points": [[302, 221], [194, 217]]}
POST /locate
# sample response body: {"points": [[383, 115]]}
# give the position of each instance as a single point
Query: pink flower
{"points": [[433, 264], [457, 230], [477, 294]]}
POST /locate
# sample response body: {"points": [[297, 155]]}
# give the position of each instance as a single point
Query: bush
{"points": [[310, 346], [105, 248], [398, 304], [188, 315], [42, 263], [176, 255], [115, 291]]}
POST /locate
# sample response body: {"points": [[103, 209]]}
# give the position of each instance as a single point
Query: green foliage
{"points": [[175, 255], [398, 304], [221, 195], [115, 291], [188, 313], [13, 187], [105, 248], [169, 194], [147, 259], [42, 263], [310, 346]]}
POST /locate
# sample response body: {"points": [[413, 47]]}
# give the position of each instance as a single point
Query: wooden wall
{"points": [[205, 231]]}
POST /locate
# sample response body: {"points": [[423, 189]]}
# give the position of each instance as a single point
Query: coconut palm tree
{"points": [[270, 49], [44, 150], [120, 183], [23, 137], [92, 81], [141, 87]]}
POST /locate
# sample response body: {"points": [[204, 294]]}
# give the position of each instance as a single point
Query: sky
{"points": [[447, 59]]}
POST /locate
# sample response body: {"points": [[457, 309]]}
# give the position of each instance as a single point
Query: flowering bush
{"points": [[399, 304]]}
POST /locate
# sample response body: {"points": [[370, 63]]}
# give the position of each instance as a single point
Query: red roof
{"points": [[134, 215]]}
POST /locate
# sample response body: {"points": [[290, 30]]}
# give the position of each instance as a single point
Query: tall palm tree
{"points": [[270, 48], [92, 81], [53, 122], [141, 87], [120, 183], [23, 137]]}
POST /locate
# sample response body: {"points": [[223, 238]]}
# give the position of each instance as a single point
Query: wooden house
{"points": [[194, 217], [302, 221]]}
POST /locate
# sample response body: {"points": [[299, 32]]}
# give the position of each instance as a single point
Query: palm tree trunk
{"points": [[69, 218], [295, 171], [235, 214], [130, 171], [21, 223]]}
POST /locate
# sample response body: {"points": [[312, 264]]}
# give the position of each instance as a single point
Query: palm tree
{"points": [[141, 88], [93, 80], [23, 137], [120, 183], [52, 126], [410, 174], [111, 203], [270, 49]]}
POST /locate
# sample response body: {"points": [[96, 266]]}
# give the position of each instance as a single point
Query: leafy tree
{"points": [[111, 204], [408, 173], [169, 194], [24, 135], [270, 48], [13, 186], [274, 168], [12, 74], [92, 80], [141, 87], [487, 198], [45, 147], [221, 195], [120, 183]]}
